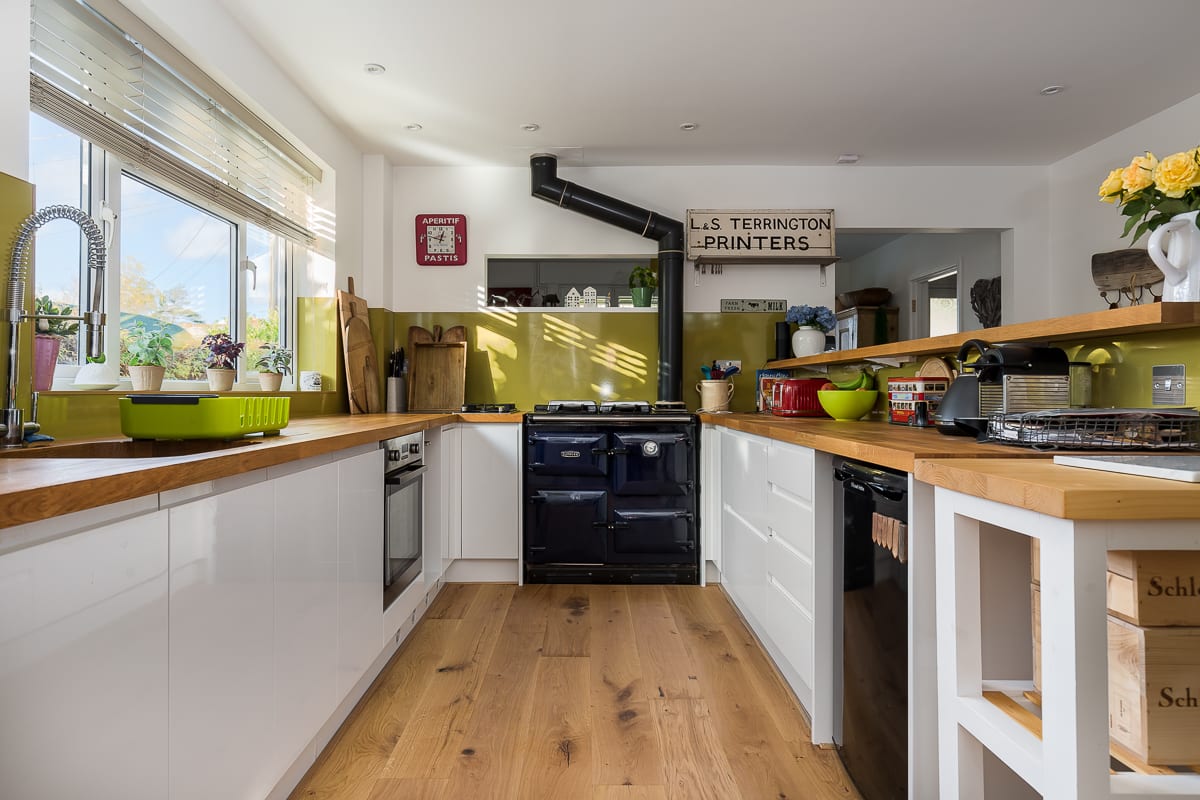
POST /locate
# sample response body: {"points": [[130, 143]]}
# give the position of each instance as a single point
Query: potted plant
{"points": [[642, 283], [813, 323], [222, 358], [49, 334], [147, 352], [274, 363]]}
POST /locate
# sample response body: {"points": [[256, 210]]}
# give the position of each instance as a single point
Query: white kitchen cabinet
{"points": [[222, 617], [359, 567], [710, 494], [450, 456], [491, 489], [306, 602], [433, 504], [83, 664], [743, 522]]}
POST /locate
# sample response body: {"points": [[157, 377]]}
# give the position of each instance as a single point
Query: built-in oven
{"points": [[403, 477]]}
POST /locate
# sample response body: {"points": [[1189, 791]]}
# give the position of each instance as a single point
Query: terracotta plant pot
{"points": [[221, 380], [270, 381], [146, 379], [45, 357]]}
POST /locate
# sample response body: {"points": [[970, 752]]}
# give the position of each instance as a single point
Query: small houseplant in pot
{"points": [[813, 323], [147, 352], [642, 283], [273, 364], [222, 358], [49, 336]]}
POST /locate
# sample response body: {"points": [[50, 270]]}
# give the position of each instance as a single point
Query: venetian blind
{"points": [[98, 81]]}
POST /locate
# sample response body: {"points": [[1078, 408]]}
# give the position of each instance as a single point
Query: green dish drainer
{"points": [[201, 416]]}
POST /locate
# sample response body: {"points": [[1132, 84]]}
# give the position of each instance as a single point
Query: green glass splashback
{"points": [[16, 203]]}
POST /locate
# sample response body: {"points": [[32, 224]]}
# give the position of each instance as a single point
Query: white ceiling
{"points": [[922, 82]]}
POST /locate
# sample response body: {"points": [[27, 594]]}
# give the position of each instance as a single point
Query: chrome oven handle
{"points": [[405, 476]]}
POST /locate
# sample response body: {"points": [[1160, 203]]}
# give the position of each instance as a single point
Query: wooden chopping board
{"points": [[362, 370], [437, 368]]}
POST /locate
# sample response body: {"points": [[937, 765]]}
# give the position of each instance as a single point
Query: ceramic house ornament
{"points": [[589, 297], [573, 299]]}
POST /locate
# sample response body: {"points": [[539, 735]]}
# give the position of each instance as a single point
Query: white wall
{"points": [[14, 87], [895, 264], [503, 219], [1081, 225], [378, 279]]}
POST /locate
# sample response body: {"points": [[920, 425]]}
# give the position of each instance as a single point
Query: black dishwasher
{"points": [[874, 744]]}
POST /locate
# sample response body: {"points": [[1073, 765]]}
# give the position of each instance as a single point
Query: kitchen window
{"points": [[176, 264]]}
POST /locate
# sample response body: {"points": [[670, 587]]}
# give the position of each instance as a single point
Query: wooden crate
{"points": [[1154, 691], [1155, 587]]}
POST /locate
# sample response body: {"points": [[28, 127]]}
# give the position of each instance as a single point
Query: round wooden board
{"points": [[362, 376], [935, 368]]}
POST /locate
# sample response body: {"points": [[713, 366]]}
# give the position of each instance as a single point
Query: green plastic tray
{"points": [[201, 416]]}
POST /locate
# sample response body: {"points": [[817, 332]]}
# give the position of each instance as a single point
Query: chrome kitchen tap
{"points": [[11, 421]]}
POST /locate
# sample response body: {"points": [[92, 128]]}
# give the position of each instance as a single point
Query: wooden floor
{"points": [[577, 692]]}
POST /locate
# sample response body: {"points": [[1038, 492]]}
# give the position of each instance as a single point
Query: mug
{"points": [[310, 381], [715, 395]]}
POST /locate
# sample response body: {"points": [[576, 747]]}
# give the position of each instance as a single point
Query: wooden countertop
{"points": [[895, 446], [36, 488], [1066, 492]]}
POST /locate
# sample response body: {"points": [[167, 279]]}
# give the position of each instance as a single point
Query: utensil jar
{"points": [[715, 395]]}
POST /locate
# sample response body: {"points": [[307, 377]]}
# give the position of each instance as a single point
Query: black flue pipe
{"points": [[546, 184]]}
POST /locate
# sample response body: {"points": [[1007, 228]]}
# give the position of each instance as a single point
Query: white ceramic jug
{"points": [[1180, 264], [715, 395]]}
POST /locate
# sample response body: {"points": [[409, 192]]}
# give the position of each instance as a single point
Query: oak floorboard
{"points": [[485, 768], [452, 601], [503, 739], [696, 765], [665, 661], [625, 747], [358, 752], [762, 762], [409, 789], [556, 748], [623, 792], [569, 624], [428, 746]]}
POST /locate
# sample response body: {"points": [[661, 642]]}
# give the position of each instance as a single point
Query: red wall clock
{"points": [[441, 240]]}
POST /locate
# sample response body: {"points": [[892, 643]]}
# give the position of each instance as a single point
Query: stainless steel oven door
{"points": [[402, 530]]}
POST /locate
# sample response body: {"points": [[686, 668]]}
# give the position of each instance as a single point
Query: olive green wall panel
{"points": [[16, 203]]}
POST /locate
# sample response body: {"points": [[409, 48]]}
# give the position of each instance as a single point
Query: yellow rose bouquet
{"points": [[1150, 191]]}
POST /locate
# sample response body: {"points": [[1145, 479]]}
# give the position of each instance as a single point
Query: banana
{"points": [[851, 384]]}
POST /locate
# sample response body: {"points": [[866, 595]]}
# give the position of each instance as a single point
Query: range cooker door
{"points": [[566, 527], [648, 463], [652, 536], [583, 454]]}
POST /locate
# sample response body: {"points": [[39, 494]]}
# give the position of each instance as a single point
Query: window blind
{"points": [[96, 80]]}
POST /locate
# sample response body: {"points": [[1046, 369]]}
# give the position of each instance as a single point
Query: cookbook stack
{"points": [[1153, 652]]}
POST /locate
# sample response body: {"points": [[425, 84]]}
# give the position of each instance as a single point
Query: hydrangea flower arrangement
{"points": [[815, 316]]}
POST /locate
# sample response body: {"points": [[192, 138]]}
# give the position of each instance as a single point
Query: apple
{"points": [[828, 387]]}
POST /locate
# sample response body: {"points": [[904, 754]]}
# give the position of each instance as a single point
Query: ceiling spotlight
{"points": [[530, 127], [1053, 89], [848, 158], [374, 69], [412, 126], [689, 126]]}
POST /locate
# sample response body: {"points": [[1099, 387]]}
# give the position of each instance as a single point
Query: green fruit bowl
{"points": [[847, 405]]}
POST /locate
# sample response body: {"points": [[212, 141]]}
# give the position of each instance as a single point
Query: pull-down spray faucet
{"points": [[11, 417]]}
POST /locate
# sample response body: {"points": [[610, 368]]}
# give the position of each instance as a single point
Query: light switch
{"points": [[1167, 385]]}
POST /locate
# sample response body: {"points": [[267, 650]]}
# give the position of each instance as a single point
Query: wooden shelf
{"points": [[1117, 321]]}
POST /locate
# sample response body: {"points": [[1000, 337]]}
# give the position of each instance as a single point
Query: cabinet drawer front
{"points": [[791, 629], [651, 536], [791, 572], [791, 520], [791, 467], [566, 527]]}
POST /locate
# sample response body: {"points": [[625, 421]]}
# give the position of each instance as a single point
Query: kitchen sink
{"points": [[128, 448]]}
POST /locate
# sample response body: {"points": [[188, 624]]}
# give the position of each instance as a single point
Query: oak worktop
{"points": [[1065, 492], [895, 446]]}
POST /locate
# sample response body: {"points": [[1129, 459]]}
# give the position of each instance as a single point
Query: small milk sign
{"points": [[727, 237]]}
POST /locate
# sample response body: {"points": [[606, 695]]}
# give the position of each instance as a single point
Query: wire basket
{"points": [[1098, 429]]}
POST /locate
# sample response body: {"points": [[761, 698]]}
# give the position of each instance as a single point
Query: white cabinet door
{"points": [[221, 650], [359, 567], [433, 504], [491, 489], [744, 522], [710, 493], [744, 476], [83, 665], [306, 601], [745, 572], [450, 454]]}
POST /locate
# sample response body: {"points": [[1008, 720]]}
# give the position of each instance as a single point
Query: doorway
{"points": [[935, 303]]}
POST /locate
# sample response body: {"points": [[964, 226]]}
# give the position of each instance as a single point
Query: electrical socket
{"points": [[1167, 385], [724, 365]]}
